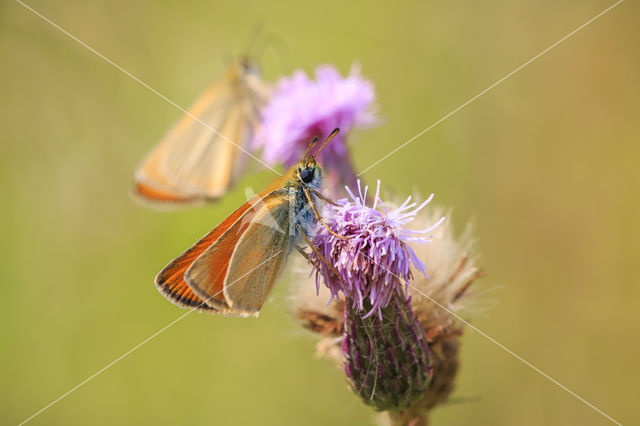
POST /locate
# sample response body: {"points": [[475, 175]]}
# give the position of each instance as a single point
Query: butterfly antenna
{"points": [[251, 42], [310, 147], [272, 39], [326, 141]]}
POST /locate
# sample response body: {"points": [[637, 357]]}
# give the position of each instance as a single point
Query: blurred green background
{"points": [[546, 164]]}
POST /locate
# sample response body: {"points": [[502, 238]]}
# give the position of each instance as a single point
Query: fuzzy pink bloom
{"points": [[375, 260], [301, 109]]}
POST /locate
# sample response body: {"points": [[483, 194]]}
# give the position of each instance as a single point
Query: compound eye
{"points": [[248, 66], [306, 175]]}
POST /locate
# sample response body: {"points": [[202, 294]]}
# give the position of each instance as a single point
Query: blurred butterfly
{"points": [[206, 152], [232, 269]]}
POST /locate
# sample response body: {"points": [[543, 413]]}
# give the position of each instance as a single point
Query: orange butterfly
{"points": [[201, 157], [232, 269]]}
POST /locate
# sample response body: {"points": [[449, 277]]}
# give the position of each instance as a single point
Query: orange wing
{"points": [[170, 281], [246, 260], [259, 257], [145, 193]]}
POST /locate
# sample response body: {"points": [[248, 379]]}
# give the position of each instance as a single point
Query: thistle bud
{"points": [[387, 359]]}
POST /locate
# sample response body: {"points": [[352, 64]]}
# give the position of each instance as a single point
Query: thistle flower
{"points": [[374, 260], [301, 109], [452, 270], [387, 359]]}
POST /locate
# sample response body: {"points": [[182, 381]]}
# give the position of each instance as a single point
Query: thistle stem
{"points": [[408, 418]]}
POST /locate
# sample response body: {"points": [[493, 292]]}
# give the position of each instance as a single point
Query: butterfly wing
{"points": [[170, 281], [247, 259], [153, 197], [193, 163]]}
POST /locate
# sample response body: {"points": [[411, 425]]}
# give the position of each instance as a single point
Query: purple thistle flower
{"points": [[405, 360], [375, 259], [301, 109]]}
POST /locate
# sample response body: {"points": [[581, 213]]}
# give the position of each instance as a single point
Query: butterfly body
{"points": [[303, 217], [233, 268]]}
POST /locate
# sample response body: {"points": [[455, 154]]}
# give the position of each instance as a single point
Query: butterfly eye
{"points": [[306, 175]]}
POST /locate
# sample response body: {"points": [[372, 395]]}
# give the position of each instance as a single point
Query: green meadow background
{"points": [[546, 164]]}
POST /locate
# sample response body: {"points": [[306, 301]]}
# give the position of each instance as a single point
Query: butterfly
{"points": [[232, 269], [202, 156]]}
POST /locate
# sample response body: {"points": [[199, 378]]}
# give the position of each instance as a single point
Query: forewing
{"points": [[193, 162], [158, 197], [171, 283], [255, 249]]}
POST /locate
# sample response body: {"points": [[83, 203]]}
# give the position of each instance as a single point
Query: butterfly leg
{"points": [[302, 252], [323, 198], [315, 211], [317, 253]]}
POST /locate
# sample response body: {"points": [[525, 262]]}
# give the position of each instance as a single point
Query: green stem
{"points": [[408, 418]]}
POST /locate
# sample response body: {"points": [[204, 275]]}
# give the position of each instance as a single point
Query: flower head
{"points": [[301, 109], [374, 259], [405, 360]]}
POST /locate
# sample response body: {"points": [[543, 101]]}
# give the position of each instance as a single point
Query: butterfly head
{"points": [[310, 174], [308, 170], [248, 66]]}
